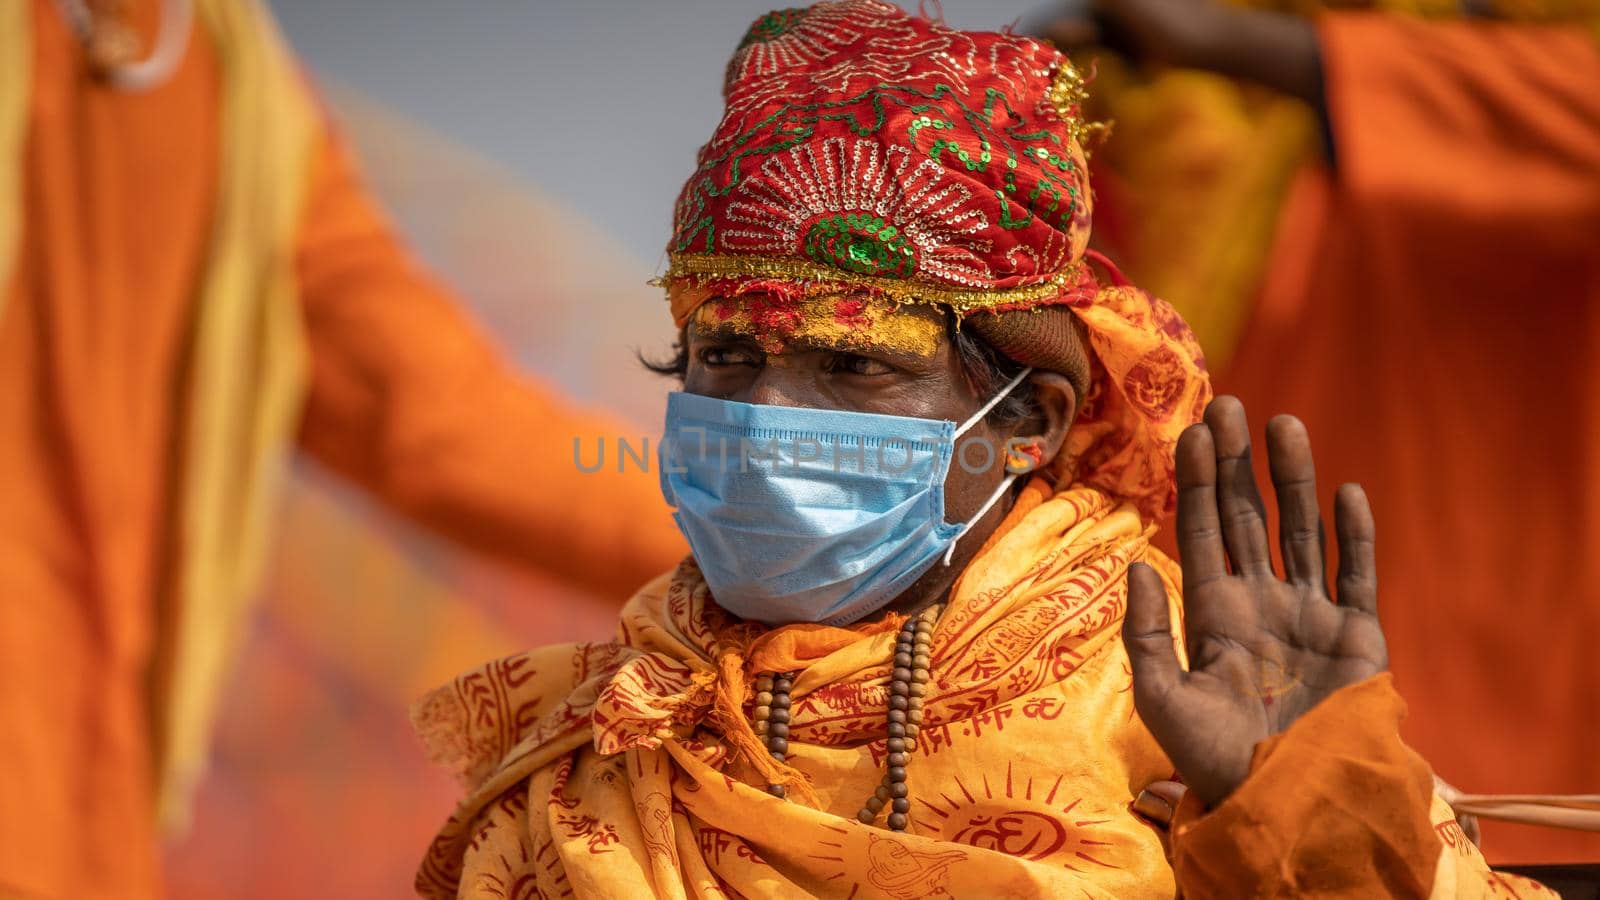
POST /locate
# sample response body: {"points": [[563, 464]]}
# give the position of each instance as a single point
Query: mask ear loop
{"points": [[993, 402], [994, 498], [1005, 483]]}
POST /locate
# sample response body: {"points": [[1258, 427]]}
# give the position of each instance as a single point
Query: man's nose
{"points": [[778, 385]]}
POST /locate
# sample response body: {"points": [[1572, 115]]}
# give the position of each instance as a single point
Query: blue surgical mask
{"points": [[811, 515]]}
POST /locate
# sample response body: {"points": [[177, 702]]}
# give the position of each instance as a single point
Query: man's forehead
{"points": [[848, 322]]}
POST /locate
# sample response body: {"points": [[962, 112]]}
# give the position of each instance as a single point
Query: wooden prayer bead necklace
{"points": [[907, 686]]}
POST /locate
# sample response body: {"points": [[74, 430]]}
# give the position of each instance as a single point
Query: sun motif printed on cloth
{"points": [[606, 770]]}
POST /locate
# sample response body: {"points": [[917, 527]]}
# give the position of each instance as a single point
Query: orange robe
{"points": [[407, 399], [1430, 312]]}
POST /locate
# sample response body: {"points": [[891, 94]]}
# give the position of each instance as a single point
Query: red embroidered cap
{"points": [[866, 147]]}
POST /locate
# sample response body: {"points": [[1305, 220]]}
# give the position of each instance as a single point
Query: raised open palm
{"points": [[1262, 650]]}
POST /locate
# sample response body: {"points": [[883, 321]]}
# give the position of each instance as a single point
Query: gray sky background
{"points": [[600, 103]]}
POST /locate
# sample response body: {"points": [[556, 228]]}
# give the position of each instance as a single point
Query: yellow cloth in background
{"points": [[1030, 750], [246, 381], [1193, 179], [14, 88]]}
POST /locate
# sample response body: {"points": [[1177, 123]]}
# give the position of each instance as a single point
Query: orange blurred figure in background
{"points": [[195, 280]]}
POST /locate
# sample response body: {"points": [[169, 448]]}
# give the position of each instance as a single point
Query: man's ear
{"points": [[1058, 409]]}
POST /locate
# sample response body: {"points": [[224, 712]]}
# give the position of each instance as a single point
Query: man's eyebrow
{"points": [[719, 332], [735, 332], [870, 348]]}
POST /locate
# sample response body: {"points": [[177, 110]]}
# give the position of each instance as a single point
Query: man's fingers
{"points": [[1159, 801], [1300, 536], [1200, 547], [1243, 515], [1358, 563], [1147, 632]]}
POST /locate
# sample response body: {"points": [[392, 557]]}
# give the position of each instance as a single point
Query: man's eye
{"points": [[728, 356], [853, 364]]}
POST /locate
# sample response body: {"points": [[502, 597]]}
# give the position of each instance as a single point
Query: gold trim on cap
{"points": [[962, 300], [1068, 93]]}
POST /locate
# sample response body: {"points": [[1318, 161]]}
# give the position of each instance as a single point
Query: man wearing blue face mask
{"points": [[923, 645], [811, 480]]}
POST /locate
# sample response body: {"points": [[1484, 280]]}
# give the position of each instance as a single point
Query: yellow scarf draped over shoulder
{"points": [[629, 768]]}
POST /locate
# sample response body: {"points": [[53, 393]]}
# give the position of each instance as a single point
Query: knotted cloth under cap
{"points": [[865, 149]]}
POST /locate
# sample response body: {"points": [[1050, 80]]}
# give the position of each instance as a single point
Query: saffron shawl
{"points": [[613, 770]]}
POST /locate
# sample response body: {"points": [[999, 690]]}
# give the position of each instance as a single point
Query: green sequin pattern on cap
{"points": [[860, 243]]}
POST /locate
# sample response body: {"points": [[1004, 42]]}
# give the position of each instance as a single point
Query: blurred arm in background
{"points": [[1424, 293], [1474, 118], [410, 400]]}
